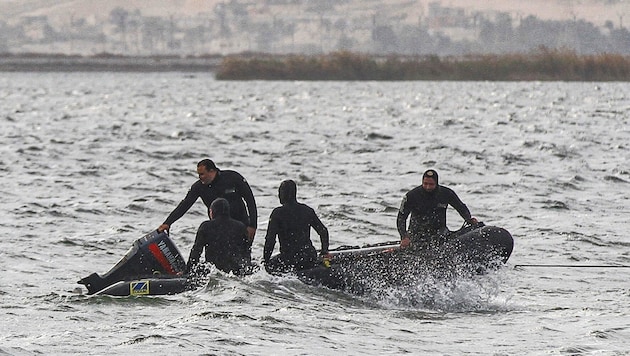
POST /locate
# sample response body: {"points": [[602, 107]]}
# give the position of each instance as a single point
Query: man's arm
{"points": [[322, 231], [195, 252], [181, 209], [461, 208], [248, 196], [401, 219], [401, 222], [270, 238]]}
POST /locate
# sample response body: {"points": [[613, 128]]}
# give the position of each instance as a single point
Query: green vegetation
{"points": [[543, 65]]}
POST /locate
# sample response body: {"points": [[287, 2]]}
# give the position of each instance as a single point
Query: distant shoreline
{"points": [[105, 63], [542, 65]]}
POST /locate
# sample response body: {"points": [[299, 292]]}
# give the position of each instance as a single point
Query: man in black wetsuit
{"points": [[224, 239], [427, 205], [212, 184], [292, 223]]}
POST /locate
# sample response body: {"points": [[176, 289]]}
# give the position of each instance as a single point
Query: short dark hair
{"points": [[208, 163]]}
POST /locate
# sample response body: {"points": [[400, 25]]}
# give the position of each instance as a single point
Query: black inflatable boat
{"points": [[154, 266], [472, 250]]}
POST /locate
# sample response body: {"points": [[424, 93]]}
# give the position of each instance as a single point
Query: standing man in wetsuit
{"points": [[212, 184], [427, 205], [224, 239], [292, 223]]}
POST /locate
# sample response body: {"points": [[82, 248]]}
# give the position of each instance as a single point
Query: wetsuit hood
{"points": [[220, 207], [287, 192], [431, 173]]}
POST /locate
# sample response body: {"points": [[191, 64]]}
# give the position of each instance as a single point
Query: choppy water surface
{"points": [[89, 162]]}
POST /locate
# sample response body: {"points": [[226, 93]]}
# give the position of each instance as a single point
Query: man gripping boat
{"points": [[154, 266]]}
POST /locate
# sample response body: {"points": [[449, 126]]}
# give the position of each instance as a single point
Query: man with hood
{"points": [[292, 223], [214, 183], [224, 239], [427, 205]]}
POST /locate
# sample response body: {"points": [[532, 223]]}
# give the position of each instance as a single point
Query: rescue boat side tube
{"points": [[148, 286]]}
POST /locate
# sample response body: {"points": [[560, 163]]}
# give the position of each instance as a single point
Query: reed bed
{"points": [[540, 65]]}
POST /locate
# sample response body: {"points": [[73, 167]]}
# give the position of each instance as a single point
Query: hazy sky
{"points": [[596, 11]]}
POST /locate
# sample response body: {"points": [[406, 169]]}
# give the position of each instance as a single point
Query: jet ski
{"points": [[152, 266]]}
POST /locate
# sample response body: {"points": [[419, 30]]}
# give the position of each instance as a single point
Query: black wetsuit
{"points": [[292, 223], [227, 184], [428, 211], [226, 244]]}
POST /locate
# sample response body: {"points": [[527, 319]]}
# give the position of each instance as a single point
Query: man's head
{"points": [[430, 180], [219, 207], [287, 192], [207, 171]]}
